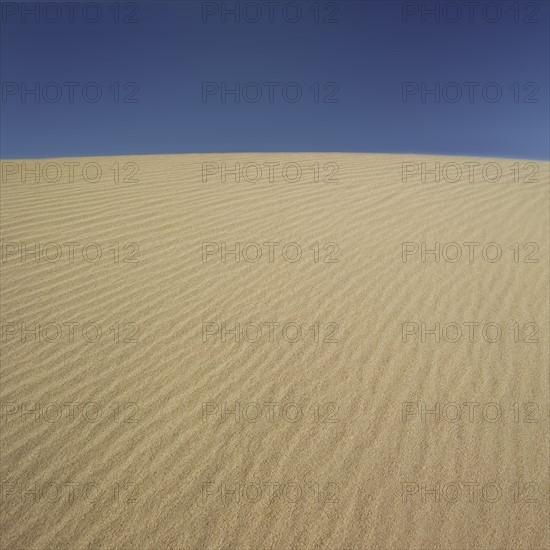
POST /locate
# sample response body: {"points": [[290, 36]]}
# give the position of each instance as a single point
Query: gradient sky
{"points": [[367, 51]]}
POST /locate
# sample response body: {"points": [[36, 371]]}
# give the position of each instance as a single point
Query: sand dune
{"points": [[380, 394]]}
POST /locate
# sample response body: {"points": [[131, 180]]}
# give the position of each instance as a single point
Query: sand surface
{"points": [[133, 419]]}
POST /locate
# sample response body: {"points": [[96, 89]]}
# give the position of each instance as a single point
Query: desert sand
{"points": [[380, 394]]}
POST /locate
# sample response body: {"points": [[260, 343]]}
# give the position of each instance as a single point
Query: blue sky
{"points": [[349, 75]]}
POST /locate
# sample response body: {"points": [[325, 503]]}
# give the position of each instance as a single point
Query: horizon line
{"points": [[13, 159]]}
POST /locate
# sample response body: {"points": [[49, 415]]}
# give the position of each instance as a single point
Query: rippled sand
{"points": [[132, 418]]}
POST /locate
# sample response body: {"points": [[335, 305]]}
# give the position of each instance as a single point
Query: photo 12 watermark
{"points": [[469, 412], [270, 492], [470, 172], [26, 492], [270, 92], [269, 252], [469, 92], [469, 252], [471, 492], [243, 12], [270, 412], [270, 172], [70, 92], [69, 252], [470, 332], [69, 331], [486, 11], [270, 331], [69, 171], [91, 412], [50, 13]]}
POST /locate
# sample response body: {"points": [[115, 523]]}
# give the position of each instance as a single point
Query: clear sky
{"points": [[106, 78]]}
